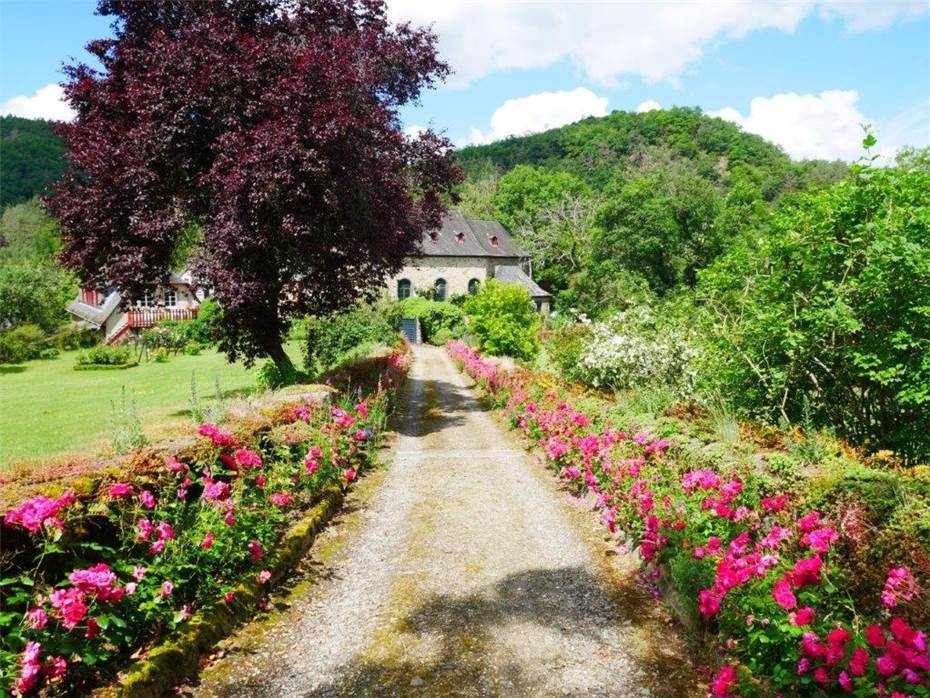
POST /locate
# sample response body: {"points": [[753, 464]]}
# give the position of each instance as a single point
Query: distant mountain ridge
{"points": [[594, 148], [32, 157]]}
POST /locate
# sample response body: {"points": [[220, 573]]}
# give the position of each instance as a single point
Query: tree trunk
{"points": [[283, 362]]}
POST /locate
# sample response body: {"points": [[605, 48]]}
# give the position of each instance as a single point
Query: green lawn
{"points": [[48, 408]]}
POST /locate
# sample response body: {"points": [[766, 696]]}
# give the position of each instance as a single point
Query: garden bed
{"points": [[105, 367], [812, 574], [102, 563]]}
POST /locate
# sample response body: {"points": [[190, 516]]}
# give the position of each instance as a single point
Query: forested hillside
{"points": [[31, 158], [597, 147], [641, 202]]}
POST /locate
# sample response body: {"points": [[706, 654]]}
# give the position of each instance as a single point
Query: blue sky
{"points": [[803, 73]]}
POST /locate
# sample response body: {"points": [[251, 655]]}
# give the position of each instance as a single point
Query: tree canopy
{"points": [[272, 127]]}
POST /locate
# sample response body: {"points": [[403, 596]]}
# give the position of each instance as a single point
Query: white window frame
{"points": [[170, 296]]}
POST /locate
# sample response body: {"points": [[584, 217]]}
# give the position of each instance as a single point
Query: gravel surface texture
{"points": [[460, 570]]}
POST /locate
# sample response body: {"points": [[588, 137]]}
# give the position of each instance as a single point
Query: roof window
{"points": [[495, 242], [459, 237], [433, 235]]}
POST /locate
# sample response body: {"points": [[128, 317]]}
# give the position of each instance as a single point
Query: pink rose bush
{"points": [[164, 556], [763, 568]]}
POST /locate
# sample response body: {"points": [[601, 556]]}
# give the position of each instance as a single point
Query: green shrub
{"points": [[433, 316], [75, 337], [160, 355], [171, 336], [206, 327], [330, 339], [193, 348], [103, 355], [827, 309], [270, 377], [503, 319], [22, 344], [565, 346], [442, 337]]}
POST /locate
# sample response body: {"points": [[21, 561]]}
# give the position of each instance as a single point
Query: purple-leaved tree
{"points": [[263, 134]]}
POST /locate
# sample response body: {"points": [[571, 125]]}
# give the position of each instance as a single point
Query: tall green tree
{"points": [[551, 214], [659, 223]]}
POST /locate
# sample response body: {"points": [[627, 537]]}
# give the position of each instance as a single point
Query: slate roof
{"points": [[511, 274], [459, 236]]}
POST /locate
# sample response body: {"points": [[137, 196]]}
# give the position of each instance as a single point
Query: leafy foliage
{"points": [[33, 158], [34, 293], [104, 355], [659, 223], [276, 133], [23, 343], [29, 233], [330, 339], [829, 306], [502, 318]]}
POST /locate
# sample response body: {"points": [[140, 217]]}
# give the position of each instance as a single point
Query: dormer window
{"points": [[460, 237], [433, 235], [495, 242]]}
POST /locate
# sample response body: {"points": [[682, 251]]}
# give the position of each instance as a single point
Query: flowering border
{"points": [[762, 573]]}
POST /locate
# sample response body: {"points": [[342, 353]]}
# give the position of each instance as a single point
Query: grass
{"points": [[47, 408]]}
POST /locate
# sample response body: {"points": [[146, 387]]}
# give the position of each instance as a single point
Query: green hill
{"points": [[31, 158], [595, 148]]}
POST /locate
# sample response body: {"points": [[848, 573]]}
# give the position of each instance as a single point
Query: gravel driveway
{"points": [[463, 570]]}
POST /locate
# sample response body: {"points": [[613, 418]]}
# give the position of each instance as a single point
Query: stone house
{"points": [[103, 310], [463, 253]]}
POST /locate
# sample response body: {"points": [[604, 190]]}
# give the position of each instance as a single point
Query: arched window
{"points": [[439, 290], [403, 289], [473, 286]]}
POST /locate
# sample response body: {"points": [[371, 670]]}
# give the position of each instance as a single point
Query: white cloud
{"points": [[828, 125], [47, 103], [863, 15], [605, 40], [414, 130], [648, 105], [539, 112]]}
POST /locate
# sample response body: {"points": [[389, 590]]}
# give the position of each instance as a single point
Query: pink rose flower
{"points": [[147, 499], [264, 576], [119, 490], [165, 532], [145, 529], [281, 499], [174, 465], [207, 541], [167, 588], [37, 618], [783, 595], [350, 474], [255, 550]]}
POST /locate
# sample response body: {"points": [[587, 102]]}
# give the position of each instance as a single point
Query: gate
{"points": [[410, 326]]}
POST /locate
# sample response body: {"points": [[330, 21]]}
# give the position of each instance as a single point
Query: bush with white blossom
{"points": [[635, 349]]}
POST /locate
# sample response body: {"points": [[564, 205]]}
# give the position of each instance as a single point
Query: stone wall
{"points": [[457, 272]]}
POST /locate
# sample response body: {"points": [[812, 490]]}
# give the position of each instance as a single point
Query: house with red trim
{"points": [[105, 311]]}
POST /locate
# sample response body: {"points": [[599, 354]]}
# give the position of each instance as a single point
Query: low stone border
{"points": [[178, 656]]}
